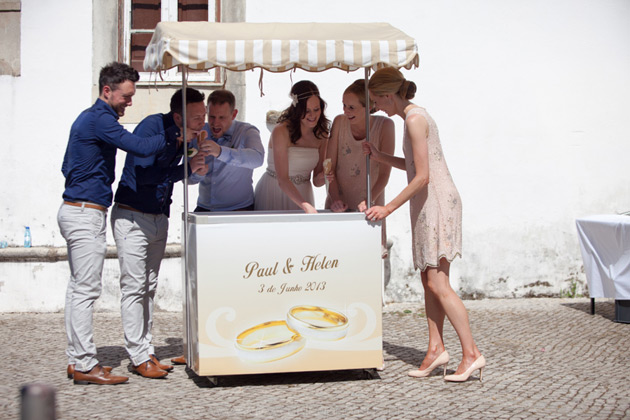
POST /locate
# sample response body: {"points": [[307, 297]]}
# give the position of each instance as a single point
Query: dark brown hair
{"points": [[293, 115], [116, 73], [192, 96]]}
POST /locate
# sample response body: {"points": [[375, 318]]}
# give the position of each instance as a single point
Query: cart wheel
{"points": [[214, 380], [370, 374]]}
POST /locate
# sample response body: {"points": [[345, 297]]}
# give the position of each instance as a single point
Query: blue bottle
{"points": [[27, 237]]}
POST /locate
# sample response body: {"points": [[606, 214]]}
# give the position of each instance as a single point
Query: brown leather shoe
{"points": [[98, 376], [155, 360], [149, 369], [70, 370], [180, 360]]}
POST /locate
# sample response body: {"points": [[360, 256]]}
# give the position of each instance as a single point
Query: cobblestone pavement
{"points": [[547, 358]]}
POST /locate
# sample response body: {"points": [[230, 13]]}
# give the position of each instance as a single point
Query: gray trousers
{"points": [[84, 231], [140, 240]]}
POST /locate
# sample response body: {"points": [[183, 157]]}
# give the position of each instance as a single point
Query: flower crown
{"points": [[295, 98]]}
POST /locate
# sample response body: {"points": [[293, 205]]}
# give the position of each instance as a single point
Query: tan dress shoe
{"points": [[149, 369], [70, 370], [98, 376], [180, 360], [155, 360]]}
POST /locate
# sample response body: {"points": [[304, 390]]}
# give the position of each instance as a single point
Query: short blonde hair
{"points": [[391, 80]]}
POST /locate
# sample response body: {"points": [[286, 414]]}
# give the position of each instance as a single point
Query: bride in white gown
{"points": [[297, 148]]}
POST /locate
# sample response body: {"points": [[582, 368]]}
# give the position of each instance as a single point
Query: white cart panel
{"points": [[283, 292]]}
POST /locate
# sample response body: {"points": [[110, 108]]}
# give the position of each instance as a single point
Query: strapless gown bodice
{"points": [[269, 196]]}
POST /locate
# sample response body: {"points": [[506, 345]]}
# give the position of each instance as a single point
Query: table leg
{"points": [[592, 306]]}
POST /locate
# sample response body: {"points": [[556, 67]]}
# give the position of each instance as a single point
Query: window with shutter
{"points": [[138, 22]]}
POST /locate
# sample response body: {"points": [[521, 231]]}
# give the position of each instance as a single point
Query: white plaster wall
{"points": [[36, 111], [41, 286], [531, 98]]}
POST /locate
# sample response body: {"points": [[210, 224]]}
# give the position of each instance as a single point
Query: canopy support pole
{"points": [[187, 348], [367, 138]]}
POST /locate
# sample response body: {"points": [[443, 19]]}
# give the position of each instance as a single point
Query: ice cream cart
{"points": [[280, 291]]}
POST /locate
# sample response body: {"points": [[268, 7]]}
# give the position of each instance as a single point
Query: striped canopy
{"points": [[279, 47]]}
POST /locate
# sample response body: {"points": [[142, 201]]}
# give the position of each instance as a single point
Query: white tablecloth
{"points": [[605, 246]]}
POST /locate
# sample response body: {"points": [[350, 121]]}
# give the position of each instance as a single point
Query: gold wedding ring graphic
{"points": [[268, 341], [274, 340], [318, 323]]}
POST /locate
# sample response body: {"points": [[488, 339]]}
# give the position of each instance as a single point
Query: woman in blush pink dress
{"points": [[436, 218], [347, 182]]}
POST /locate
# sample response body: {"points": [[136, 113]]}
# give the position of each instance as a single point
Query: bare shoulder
{"points": [[388, 122], [339, 118], [416, 119], [281, 129], [336, 122], [279, 135]]}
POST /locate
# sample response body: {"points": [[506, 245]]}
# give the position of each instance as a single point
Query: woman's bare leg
{"points": [[435, 320], [437, 281]]}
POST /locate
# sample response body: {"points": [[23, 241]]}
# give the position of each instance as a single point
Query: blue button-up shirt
{"points": [[228, 185], [90, 157], [147, 182]]}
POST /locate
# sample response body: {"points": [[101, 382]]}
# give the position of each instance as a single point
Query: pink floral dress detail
{"points": [[436, 210]]}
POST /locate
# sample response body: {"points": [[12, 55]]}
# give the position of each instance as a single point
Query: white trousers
{"points": [[84, 231], [141, 241]]}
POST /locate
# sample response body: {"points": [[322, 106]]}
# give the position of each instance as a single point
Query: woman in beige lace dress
{"points": [[347, 181], [436, 218]]}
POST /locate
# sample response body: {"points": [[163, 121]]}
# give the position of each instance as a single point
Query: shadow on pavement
{"points": [[175, 348], [409, 355], [603, 308], [287, 378], [114, 356]]}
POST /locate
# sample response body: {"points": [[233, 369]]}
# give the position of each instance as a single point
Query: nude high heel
{"points": [[441, 360], [479, 363]]}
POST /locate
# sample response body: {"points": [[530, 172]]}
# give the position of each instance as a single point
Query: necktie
{"points": [[226, 138]]}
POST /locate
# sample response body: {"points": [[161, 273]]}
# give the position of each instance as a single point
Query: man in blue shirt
{"points": [[140, 224], [234, 150], [88, 167]]}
